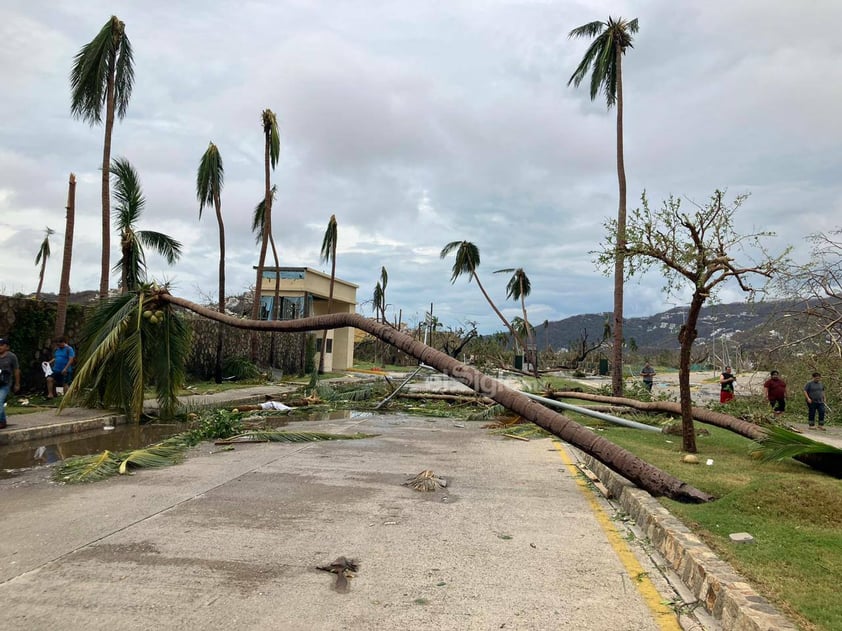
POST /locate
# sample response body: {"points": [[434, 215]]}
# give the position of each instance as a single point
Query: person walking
{"points": [[64, 357], [726, 385], [648, 373], [775, 389], [9, 377], [814, 393]]}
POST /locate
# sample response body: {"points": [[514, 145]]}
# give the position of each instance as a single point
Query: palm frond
{"points": [[781, 443], [91, 68], [258, 218], [326, 392], [101, 339], [273, 138], [358, 394], [467, 258], [268, 436], [127, 192], [522, 430], [158, 455], [426, 481], [87, 468], [162, 243], [490, 412], [210, 177], [329, 241]]}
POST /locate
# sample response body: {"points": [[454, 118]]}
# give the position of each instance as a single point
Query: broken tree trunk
{"points": [[638, 471], [824, 462]]}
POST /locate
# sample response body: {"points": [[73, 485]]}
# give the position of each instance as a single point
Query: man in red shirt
{"points": [[775, 388]]}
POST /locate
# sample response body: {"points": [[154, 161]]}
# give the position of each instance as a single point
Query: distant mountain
{"points": [[660, 331]]}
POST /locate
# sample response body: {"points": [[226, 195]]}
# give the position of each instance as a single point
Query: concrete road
{"points": [[231, 539]]}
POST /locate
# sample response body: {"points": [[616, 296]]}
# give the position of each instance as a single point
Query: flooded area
{"points": [[45, 451]]}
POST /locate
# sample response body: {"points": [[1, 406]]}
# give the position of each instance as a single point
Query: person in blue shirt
{"points": [[62, 366]]}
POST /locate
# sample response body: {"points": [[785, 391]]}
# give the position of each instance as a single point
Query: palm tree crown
{"points": [[130, 201], [41, 257], [467, 259], [519, 285], [209, 178], [108, 54], [601, 58]]}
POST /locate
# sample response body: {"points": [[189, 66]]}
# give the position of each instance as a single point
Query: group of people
{"points": [[774, 388], [59, 371]]}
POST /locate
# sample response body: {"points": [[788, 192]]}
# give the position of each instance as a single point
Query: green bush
{"points": [[241, 368]]}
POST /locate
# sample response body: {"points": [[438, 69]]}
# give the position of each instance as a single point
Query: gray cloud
{"points": [[420, 124]]}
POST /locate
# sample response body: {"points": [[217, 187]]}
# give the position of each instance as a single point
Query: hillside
{"points": [[660, 331]]}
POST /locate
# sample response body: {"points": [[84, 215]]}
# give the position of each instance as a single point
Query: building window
{"points": [[329, 345]]}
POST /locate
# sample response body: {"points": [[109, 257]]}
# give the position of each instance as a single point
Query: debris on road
{"points": [[344, 569], [426, 481]]}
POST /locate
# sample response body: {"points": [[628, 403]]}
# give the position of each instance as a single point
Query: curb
{"points": [[13, 436], [64, 428], [725, 595]]}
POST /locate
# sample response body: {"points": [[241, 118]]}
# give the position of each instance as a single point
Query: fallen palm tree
{"points": [[640, 472], [826, 461]]}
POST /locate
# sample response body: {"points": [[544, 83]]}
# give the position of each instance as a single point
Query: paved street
{"points": [[231, 539]]}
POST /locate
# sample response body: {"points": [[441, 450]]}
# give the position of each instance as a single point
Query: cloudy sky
{"points": [[417, 124]]}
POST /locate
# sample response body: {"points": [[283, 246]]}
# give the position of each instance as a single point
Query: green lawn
{"points": [[793, 512]]}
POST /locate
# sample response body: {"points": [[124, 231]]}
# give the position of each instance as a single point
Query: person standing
{"points": [[775, 389], [726, 385], [814, 393], [648, 373], [9, 377], [62, 366]]}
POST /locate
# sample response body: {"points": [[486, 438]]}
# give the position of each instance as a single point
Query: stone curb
{"points": [[725, 595]]}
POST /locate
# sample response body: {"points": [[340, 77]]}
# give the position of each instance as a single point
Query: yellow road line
{"points": [[665, 617]]}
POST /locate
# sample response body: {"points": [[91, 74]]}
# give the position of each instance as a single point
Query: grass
{"points": [[793, 512]]}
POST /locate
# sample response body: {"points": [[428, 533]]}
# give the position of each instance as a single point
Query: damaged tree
{"points": [[696, 247], [645, 475]]}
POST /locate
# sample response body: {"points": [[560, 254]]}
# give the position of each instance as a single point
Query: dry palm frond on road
{"points": [[426, 481]]}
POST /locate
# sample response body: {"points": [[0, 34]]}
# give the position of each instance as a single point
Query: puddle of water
{"points": [[55, 448], [43, 451]]}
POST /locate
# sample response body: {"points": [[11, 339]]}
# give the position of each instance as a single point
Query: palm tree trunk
{"points": [[67, 257], [497, 311], [106, 182], [329, 309], [640, 472], [827, 463], [264, 244], [126, 249], [41, 278], [617, 354], [276, 299], [530, 338], [220, 333]]}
